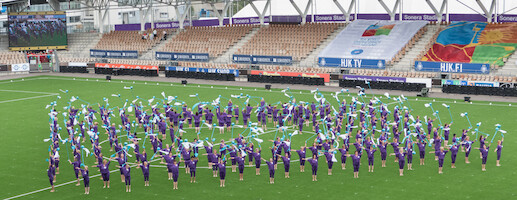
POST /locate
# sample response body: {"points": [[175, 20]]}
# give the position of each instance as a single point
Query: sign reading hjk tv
{"points": [[205, 70], [267, 60], [113, 54], [197, 57], [447, 67], [352, 63]]}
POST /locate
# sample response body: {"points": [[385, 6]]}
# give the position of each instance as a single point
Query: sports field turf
{"points": [[25, 125]]}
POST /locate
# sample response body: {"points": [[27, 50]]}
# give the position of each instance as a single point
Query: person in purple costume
{"points": [[51, 173], [314, 164], [236, 114], [193, 165], [86, 178], [105, 172], [441, 156], [344, 152], [454, 152], [328, 157], [256, 155], [302, 154], [409, 150], [370, 153], [484, 155], [356, 161], [76, 164], [271, 168], [175, 174], [421, 149], [498, 150], [287, 163], [126, 170], [222, 172], [467, 144], [197, 121], [241, 159], [401, 155]]}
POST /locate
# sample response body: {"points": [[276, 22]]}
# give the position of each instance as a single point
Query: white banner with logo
{"points": [[22, 67], [372, 39]]}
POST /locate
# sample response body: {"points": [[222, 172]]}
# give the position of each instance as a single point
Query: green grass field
{"points": [[25, 125]]}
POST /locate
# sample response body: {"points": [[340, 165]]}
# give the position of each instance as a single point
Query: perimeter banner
{"points": [[326, 77], [374, 78], [204, 70], [124, 66], [96, 53]]}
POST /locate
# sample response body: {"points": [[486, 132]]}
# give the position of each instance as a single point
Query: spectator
{"points": [[164, 35]]}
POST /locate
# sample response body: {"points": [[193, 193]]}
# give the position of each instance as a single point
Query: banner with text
{"points": [[447, 67], [470, 83], [124, 66], [205, 70], [266, 60], [352, 63], [96, 53], [326, 77], [197, 57], [374, 78], [370, 40]]}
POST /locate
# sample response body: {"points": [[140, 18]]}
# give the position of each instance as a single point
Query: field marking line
{"points": [[63, 184], [22, 91], [27, 98], [97, 175]]}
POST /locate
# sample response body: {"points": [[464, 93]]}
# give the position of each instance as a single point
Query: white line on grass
{"points": [[63, 184], [22, 91], [97, 175], [27, 98]]}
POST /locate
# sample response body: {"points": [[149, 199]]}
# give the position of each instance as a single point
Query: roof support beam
{"points": [[346, 13], [302, 14], [391, 12], [220, 15]]}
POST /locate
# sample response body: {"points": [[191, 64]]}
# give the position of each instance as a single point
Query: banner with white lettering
{"points": [[197, 57], [352, 63], [267, 60], [204, 70], [96, 53], [446, 67], [369, 40]]}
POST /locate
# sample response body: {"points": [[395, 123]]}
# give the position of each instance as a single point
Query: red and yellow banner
{"points": [[124, 66], [326, 77]]}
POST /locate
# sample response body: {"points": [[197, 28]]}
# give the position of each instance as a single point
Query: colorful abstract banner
{"points": [[474, 42]]}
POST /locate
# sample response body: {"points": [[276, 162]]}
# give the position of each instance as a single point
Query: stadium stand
{"points": [[297, 41], [212, 40], [130, 40], [8, 58], [79, 46]]}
